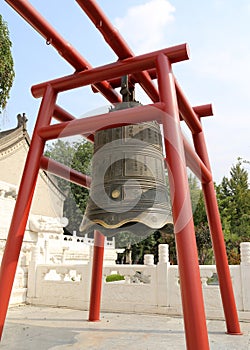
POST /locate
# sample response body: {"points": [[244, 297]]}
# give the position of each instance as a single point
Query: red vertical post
{"points": [[96, 282], [213, 215], [22, 207], [190, 282]]}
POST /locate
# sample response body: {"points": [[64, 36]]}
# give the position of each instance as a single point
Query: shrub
{"points": [[114, 277]]}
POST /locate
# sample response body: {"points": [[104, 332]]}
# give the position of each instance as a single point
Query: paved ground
{"points": [[43, 328]]}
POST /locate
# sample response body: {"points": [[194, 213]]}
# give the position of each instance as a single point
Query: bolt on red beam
{"points": [[89, 125], [65, 49], [117, 43], [117, 69], [65, 172]]}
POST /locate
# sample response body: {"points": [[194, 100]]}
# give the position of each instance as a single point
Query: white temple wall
{"points": [[12, 163], [47, 199]]}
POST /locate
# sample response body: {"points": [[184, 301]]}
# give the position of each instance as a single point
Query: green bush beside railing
{"points": [[114, 277]]}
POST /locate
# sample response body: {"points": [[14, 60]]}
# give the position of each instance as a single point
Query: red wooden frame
{"points": [[168, 108]]}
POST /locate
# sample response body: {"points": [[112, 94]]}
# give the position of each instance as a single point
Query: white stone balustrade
{"points": [[245, 274], [61, 285], [145, 288], [59, 274]]}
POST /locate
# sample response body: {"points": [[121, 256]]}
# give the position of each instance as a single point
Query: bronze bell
{"points": [[128, 190]]}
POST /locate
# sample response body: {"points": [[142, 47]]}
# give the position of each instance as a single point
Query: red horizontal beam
{"points": [[117, 43], [64, 48], [65, 172], [90, 125], [63, 116], [204, 110], [113, 70]]}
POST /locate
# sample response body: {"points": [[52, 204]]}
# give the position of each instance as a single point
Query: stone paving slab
{"points": [[46, 328]]}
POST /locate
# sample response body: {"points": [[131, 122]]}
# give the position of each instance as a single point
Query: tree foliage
{"points": [[234, 204], [76, 155], [6, 64]]}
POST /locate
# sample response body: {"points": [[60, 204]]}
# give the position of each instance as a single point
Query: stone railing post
{"points": [[31, 288], [148, 259], [64, 254], [163, 253], [245, 253], [245, 274], [46, 251], [162, 275]]}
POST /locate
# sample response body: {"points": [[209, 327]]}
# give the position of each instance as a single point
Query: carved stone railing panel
{"points": [[61, 273], [7, 190], [133, 274]]}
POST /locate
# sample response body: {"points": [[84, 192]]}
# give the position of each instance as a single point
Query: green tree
{"points": [[136, 246], [76, 155], [234, 204], [6, 64], [148, 245], [204, 244], [195, 191], [202, 233], [203, 239]]}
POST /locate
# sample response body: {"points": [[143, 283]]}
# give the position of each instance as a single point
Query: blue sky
{"points": [[218, 71]]}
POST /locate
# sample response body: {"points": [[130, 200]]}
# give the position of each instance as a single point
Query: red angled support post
{"points": [[22, 207], [190, 282], [96, 282], [213, 215]]}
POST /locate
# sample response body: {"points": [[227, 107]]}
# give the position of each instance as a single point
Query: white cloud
{"points": [[225, 65], [143, 25]]}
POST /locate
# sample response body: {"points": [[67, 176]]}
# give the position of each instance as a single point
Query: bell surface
{"points": [[128, 190]]}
